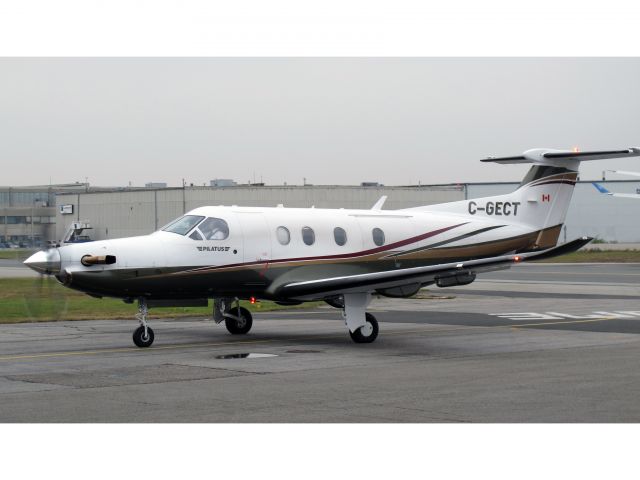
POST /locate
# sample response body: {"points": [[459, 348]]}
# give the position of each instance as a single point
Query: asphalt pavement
{"points": [[540, 343]]}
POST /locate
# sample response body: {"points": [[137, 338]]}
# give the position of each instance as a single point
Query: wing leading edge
{"points": [[400, 277]]}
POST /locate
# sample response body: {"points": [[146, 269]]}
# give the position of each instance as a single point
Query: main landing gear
{"points": [[143, 335], [363, 326], [238, 320]]}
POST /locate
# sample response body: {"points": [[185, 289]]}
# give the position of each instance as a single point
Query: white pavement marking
{"points": [[556, 282], [622, 314]]}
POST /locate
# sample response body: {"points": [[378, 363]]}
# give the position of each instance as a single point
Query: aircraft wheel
{"points": [[140, 339], [239, 326], [368, 332]]}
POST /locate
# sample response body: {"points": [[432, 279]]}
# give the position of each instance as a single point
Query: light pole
{"points": [[33, 204]]}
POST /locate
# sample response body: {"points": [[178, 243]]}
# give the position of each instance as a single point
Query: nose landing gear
{"points": [[143, 335]]}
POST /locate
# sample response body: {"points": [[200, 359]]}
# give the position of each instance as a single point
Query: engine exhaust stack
{"points": [[89, 260]]}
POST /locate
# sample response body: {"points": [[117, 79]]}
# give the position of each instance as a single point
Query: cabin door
{"points": [[255, 236]]}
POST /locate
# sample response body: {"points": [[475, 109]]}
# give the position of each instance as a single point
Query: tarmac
{"points": [[15, 269], [537, 343]]}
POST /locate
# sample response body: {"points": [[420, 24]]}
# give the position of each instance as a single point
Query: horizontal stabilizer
{"points": [[547, 156]]}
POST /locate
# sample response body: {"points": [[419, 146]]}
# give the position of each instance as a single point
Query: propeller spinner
{"points": [[45, 261]]}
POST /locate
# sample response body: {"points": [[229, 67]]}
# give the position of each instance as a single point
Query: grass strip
{"points": [[597, 256], [44, 299]]}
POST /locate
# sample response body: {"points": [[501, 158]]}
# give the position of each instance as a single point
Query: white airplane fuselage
{"points": [[247, 262]]}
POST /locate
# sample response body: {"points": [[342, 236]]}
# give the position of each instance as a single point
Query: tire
{"points": [[367, 333], [139, 338], [239, 328]]}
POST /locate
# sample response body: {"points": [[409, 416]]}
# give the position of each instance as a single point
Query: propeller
{"points": [[43, 299], [45, 261]]}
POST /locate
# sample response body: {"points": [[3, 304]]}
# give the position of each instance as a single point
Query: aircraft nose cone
{"points": [[45, 261]]}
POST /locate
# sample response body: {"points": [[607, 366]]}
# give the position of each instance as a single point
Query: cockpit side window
{"points": [[214, 229], [195, 235], [183, 225]]}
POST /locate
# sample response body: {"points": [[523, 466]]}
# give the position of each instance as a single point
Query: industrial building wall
{"points": [[22, 224], [591, 213], [139, 212]]}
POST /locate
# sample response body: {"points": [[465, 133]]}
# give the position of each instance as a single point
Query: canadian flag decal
{"points": [[546, 197]]}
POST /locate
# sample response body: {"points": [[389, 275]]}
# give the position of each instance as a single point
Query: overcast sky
{"points": [[331, 121]]}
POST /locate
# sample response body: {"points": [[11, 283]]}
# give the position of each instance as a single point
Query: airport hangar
{"points": [[40, 214]]}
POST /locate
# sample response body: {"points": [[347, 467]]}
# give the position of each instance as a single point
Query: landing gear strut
{"points": [[238, 320], [363, 327], [143, 335]]}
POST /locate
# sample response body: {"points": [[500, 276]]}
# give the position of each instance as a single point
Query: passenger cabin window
{"points": [[308, 236], [183, 225], [340, 236], [214, 229], [378, 236], [283, 235]]}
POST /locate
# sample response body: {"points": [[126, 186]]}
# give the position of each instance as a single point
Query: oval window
{"points": [[378, 236], [283, 235], [308, 237], [340, 236]]}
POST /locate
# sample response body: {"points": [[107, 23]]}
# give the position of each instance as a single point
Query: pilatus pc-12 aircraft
{"points": [[294, 255]]}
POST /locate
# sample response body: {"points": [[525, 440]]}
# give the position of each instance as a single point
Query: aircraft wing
{"points": [[625, 172], [399, 277], [603, 190]]}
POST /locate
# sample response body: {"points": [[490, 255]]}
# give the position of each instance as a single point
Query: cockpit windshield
{"points": [[183, 225]]}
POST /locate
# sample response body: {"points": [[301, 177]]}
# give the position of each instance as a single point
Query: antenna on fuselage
{"points": [[379, 203]]}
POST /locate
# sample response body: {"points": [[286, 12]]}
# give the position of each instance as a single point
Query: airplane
{"points": [[341, 256], [603, 190]]}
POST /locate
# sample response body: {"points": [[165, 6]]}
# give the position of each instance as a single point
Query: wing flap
{"points": [[395, 278]]}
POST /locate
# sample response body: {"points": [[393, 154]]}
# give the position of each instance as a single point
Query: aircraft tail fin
{"points": [[600, 188]]}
